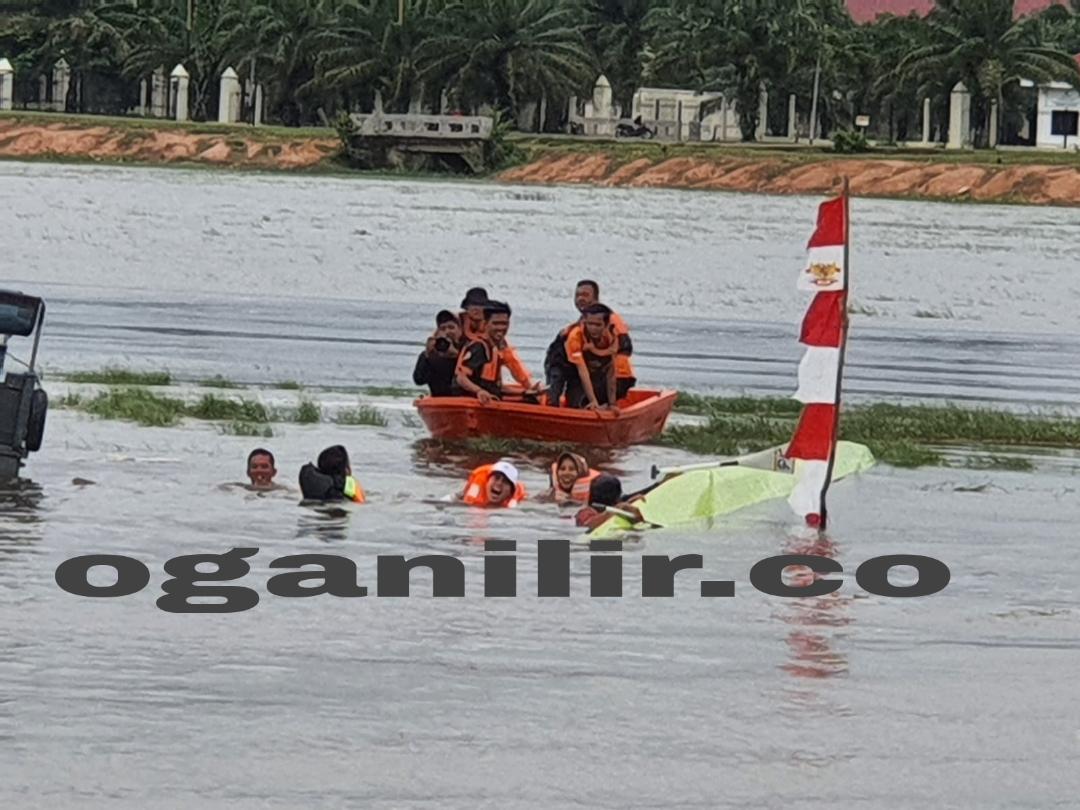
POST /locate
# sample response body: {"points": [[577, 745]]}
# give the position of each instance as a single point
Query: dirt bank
{"points": [[233, 147], [1028, 182]]}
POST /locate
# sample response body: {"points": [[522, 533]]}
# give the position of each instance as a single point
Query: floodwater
{"points": [[963, 699]]}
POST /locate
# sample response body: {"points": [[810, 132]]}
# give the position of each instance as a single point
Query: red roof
{"points": [[867, 10]]}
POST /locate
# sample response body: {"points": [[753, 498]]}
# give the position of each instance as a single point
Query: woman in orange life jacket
{"points": [[570, 478], [480, 364], [494, 486], [472, 314], [591, 346]]}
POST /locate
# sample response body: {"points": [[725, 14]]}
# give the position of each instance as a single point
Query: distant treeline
{"points": [[318, 57]]}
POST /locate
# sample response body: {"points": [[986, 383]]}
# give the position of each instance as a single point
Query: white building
{"points": [[701, 116], [1057, 116]]}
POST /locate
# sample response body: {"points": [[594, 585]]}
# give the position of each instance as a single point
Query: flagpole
{"points": [[843, 347]]}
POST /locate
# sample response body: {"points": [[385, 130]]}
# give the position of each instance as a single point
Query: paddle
{"points": [[657, 472]]}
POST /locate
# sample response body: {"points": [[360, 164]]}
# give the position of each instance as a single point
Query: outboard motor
{"points": [[23, 404]]}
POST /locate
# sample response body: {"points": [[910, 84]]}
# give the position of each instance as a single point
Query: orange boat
{"points": [[642, 415]]}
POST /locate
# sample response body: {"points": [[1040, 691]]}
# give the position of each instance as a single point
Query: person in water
{"points": [[261, 469], [494, 486], [437, 363], [571, 479], [330, 478], [604, 491], [472, 314], [591, 345], [481, 362], [559, 370]]}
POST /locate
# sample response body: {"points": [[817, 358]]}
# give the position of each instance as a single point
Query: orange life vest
{"points": [[578, 492], [476, 489], [467, 329], [491, 372]]}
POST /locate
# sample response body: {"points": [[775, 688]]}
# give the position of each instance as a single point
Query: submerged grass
{"points": [[288, 385], [362, 415], [307, 413], [390, 391], [900, 435], [218, 408], [217, 381], [136, 405], [247, 429], [120, 376]]}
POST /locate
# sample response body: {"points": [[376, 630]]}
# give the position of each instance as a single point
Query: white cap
{"points": [[507, 469]]}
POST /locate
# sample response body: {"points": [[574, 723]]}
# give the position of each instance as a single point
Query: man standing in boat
{"points": [[481, 362], [437, 363], [559, 371], [591, 346]]}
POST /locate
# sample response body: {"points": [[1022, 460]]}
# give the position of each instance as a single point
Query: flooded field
{"points": [[964, 699]]}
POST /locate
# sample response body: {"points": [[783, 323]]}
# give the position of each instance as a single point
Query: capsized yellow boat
{"points": [[694, 496]]}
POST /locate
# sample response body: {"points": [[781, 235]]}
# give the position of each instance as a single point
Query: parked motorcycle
{"points": [[635, 130]]}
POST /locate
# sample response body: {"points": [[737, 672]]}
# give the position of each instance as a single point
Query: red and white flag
{"points": [[824, 331]]}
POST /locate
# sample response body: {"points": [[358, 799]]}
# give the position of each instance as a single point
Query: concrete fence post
{"points": [[792, 121], [993, 139], [763, 114], [258, 104], [926, 120], [7, 85], [229, 97], [179, 83], [959, 117], [61, 80], [158, 93]]}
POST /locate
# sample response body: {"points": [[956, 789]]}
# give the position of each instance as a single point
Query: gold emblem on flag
{"points": [[824, 274]]}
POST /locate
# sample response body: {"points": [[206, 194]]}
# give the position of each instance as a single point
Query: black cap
{"points": [[476, 297]]}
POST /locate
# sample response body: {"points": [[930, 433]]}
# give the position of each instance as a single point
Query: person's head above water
{"points": [[606, 490], [474, 302], [261, 468], [334, 461], [586, 293], [497, 320], [448, 326], [502, 482], [569, 467]]}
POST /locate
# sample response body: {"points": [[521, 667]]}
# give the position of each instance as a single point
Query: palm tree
{"points": [[731, 46], [371, 50], [616, 34], [278, 42], [163, 33], [508, 53], [980, 43]]}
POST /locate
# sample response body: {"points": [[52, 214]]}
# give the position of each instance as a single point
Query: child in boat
{"points": [[494, 486], [605, 490], [571, 478]]}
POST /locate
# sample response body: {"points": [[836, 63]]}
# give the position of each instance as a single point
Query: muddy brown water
{"points": [[964, 699]]}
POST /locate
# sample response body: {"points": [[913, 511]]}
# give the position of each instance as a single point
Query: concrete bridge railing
{"points": [[448, 127]]}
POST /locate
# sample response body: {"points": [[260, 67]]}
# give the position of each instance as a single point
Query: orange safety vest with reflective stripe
{"points": [[624, 369], [476, 489], [491, 371], [578, 492]]}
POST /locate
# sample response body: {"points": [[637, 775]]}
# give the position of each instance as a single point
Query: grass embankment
{"points": [[901, 435], [625, 151]]}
